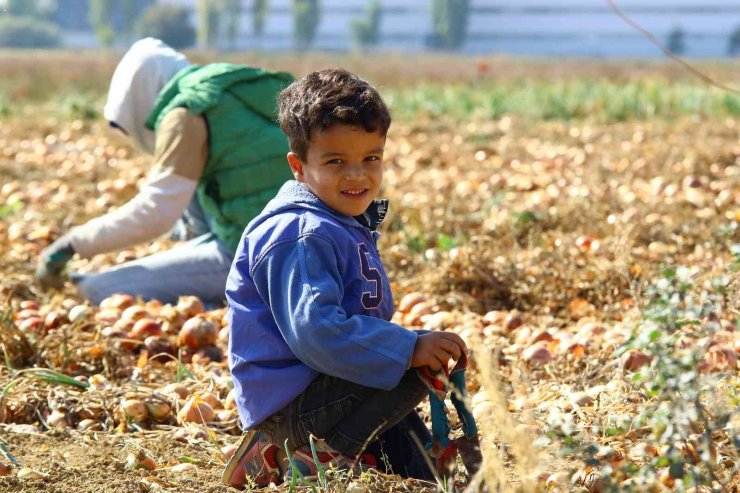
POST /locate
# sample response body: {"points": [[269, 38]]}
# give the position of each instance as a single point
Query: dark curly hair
{"points": [[323, 98]]}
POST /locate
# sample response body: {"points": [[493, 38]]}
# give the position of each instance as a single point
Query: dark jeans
{"points": [[352, 418]]}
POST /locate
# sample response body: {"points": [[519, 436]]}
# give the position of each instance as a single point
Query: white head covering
{"points": [[139, 77]]}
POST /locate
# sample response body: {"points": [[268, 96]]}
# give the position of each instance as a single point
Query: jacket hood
{"points": [[294, 195], [139, 77]]}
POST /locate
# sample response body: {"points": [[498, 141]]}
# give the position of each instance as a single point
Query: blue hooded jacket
{"points": [[307, 294]]}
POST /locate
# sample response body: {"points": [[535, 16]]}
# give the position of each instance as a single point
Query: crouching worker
{"points": [[312, 351], [218, 158]]}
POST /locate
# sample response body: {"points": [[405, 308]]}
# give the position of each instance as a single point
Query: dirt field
{"points": [[589, 266]]}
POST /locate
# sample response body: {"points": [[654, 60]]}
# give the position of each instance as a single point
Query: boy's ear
{"points": [[296, 165]]}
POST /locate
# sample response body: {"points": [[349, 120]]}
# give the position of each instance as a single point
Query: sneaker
{"points": [[255, 461], [328, 458]]}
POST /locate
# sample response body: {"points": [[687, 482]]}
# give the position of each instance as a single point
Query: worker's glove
{"points": [[52, 262]]}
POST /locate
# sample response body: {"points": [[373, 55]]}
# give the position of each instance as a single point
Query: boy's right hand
{"points": [[435, 349]]}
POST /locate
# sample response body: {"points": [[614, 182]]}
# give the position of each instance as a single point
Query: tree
{"points": [[305, 22], [43, 9], [27, 32], [170, 23], [733, 49], [232, 9], [676, 42], [259, 15], [209, 18], [131, 10], [101, 20], [449, 23], [366, 30]]}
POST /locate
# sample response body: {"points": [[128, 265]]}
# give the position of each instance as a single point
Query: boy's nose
{"points": [[354, 171]]}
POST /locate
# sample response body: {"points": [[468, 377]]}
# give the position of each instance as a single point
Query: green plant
{"points": [[366, 30], [306, 16], [449, 23], [170, 23], [28, 32], [78, 106]]}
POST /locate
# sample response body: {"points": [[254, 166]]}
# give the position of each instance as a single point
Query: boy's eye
{"points": [[334, 161]]}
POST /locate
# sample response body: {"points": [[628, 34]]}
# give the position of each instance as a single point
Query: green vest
{"points": [[246, 148]]}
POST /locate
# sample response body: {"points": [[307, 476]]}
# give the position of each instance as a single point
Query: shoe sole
{"points": [[244, 444]]}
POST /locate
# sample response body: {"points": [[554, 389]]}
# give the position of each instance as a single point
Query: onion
{"points": [[135, 410], [26, 304], [118, 301], [538, 353], [408, 301], [230, 402], [513, 321], [228, 450], [78, 312], [31, 324], [208, 353], [159, 347], [197, 332], [178, 389], [184, 467], [225, 415], [108, 316], [134, 313], [89, 425], [634, 360], [196, 411], [223, 336], [54, 319], [27, 313], [57, 419], [28, 473], [140, 461], [417, 311], [98, 382], [190, 306], [145, 327], [210, 399], [158, 409]]}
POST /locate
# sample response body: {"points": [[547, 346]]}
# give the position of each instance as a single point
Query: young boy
{"points": [[312, 351]]}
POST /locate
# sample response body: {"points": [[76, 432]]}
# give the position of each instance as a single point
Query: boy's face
{"points": [[343, 167]]}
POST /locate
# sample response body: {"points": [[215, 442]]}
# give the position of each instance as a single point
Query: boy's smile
{"points": [[343, 167]]}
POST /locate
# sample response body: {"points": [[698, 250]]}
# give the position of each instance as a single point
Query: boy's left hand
{"points": [[436, 349]]}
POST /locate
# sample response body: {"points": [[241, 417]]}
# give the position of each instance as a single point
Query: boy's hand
{"points": [[435, 350]]}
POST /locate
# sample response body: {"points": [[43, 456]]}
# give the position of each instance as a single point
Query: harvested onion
{"points": [[197, 332]]}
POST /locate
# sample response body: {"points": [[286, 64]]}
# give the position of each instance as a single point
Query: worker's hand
{"points": [[52, 262], [435, 349]]}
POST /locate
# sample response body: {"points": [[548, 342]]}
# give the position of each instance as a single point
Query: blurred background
{"points": [[694, 28]]}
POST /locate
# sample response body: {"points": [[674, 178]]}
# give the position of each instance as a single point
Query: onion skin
{"points": [[145, 327], [140, 461], [135, 410], [190, 306], [197, 332], [158, 409], [159, 347], [196, 410]]}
